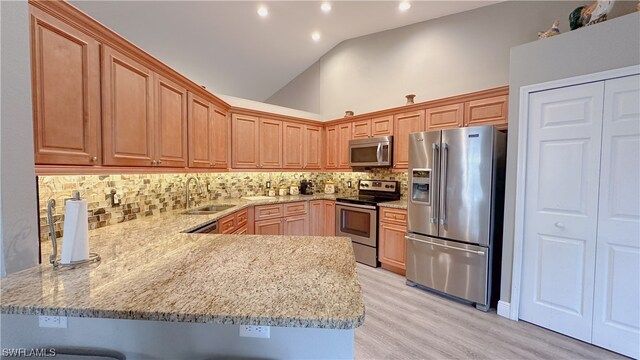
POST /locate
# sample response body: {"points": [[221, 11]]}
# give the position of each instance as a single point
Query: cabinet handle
{"points": [[94, 158], [213, 163], [159, 162], [154, 162], [559, 225]]}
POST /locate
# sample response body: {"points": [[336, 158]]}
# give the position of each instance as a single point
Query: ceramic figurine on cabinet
{"points": [[589, 15], [410, 98], [553, 31]]}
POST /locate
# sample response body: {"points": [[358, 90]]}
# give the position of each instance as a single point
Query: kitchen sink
{"points": [[209, 209]]}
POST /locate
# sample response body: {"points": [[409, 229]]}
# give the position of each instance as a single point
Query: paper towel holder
{"points": [[53, 258]]}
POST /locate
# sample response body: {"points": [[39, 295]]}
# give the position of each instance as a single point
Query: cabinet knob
{"points": [[213, 163], [94, 158], [159, 162], [154, 162], [559, 225]]}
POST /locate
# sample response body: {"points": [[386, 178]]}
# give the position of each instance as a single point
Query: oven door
{"points": [[357, 222]]}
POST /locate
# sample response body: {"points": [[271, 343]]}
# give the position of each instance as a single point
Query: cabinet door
{"points": [[616, 317], [392, 247], [344, 135], [312, 147], [445, 117], [405, 124], [171, 117], [269, 227], [66, 93], [220, 139], [361, 129], [270, 143], [490, 111], [382, 126], [329, 218], [227, 224], [331, 143], [560, 214], [316, 218], [245, 150], [296, 225], [128, 122], [200, 128], [293, 141]]}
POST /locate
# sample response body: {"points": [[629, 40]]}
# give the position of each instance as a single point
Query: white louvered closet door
{"points": [[616, 314], [561, 208]]}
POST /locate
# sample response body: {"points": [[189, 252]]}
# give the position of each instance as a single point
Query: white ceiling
{"points": [[227, 47]]}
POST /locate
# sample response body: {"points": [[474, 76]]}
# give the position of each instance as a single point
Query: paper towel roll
{"points": [[75, 244]]}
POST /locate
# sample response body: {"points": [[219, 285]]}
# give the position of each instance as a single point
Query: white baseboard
{"points": [[504, 309]]}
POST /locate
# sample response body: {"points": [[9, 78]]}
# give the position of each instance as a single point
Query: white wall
{"points": [[605, 46], [437, 58], [19, 214]]}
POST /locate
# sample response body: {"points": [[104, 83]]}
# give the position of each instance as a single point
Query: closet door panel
{"points": [[616, 315]]}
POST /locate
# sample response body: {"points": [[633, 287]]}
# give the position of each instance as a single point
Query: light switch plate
{"points": [[255, 331], [52, 322]]}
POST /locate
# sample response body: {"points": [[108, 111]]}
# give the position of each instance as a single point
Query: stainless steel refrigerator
{"points": [[456, 198]]}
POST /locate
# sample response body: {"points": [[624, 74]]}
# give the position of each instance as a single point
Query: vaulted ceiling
{"points": [[227, 47]]}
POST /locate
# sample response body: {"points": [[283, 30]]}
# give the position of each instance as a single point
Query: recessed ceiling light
{"points": [[325, 7], [404, 6], [263, 11], [315, 36]]}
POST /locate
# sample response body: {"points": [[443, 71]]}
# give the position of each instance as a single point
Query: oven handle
{"points": [[369, 207]]}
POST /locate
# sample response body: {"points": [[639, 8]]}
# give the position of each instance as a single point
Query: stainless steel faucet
{"points": [[187, 186]]}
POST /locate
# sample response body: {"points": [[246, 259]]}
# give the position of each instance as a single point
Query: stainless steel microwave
{"points": [[371, 152]]}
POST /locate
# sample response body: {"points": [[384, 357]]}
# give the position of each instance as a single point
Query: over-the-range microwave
{"points": [[371, 152]]}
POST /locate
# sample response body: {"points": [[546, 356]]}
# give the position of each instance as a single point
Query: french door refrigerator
{"points": [[455, 208]]}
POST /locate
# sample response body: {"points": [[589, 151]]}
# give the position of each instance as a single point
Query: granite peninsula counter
{"points": [[152, 270]]}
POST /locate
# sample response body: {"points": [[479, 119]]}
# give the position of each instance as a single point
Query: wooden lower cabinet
{"points": [[391, 245], [269, 227], [227, 224], [243, 230], [296, 225], [316, 218], [329, 217]]}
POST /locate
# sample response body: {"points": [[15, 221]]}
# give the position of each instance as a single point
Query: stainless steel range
{"points": [[357, 217]]}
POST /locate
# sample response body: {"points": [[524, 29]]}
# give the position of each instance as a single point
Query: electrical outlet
{"points": [[349, 184], [115, 198], [268, 186], [255, 331], [52, 322]]}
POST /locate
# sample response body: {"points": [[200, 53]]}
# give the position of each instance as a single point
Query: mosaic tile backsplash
{"points": [[150, 194]]}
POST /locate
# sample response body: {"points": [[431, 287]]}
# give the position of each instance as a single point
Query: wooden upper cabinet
{"points": [[245, 135], [127, 111], [171, 127], [382, 126], [405, 124], [293, 145], [270, 143], [445, 117], [490, 111], [220, 139], [312, 147], [66, 67], [344, 135], [361, 129], [331, 145], [200, 128]]}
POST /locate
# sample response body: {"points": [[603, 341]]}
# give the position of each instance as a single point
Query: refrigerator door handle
{"points": [[443, 198], [445, 246], [434, 157]]}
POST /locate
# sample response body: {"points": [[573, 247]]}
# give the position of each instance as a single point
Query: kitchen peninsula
{"points": [[156, 282]]}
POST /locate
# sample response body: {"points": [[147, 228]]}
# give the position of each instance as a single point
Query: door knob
{"points": [[559, 225]]}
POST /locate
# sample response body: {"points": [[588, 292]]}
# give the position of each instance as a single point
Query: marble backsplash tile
{"points": [[150, 194]]}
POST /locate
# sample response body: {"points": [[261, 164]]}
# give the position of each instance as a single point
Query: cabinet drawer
{"points": [[263, 212], [296, 208], [227, 224], [241, 230], [242, 217], [391, 215]]}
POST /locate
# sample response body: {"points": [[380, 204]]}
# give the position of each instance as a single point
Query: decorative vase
{"points": [[348, 113], [410, 98]]}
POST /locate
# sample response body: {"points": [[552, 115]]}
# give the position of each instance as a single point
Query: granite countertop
{"points": [[151, 270], [399, 204]]}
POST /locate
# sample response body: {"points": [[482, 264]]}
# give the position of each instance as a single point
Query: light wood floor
{"points": [[402, 322]]}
